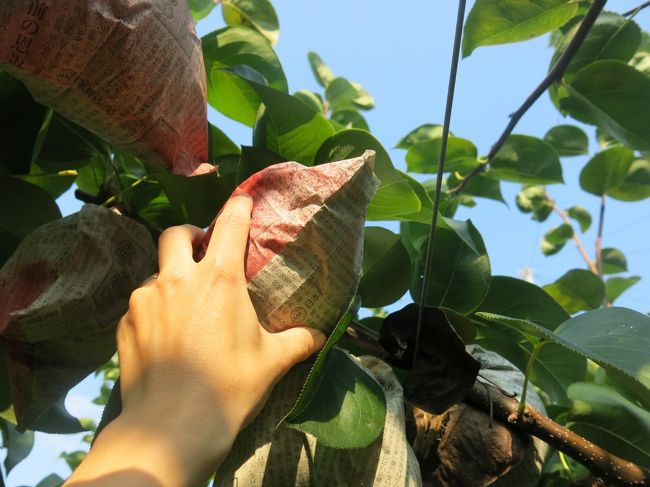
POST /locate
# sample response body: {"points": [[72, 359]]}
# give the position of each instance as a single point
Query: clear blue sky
{"points": [[400, 53]]}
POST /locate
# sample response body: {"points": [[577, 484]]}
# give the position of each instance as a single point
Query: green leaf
{"points": [[424, 132], [257, 14], [533, 199], [615, 286], [349, 408], [582, 216], [526, 159], [73, 459], [603, 416], [611, 37], [311, 99], [21, 119], [198, 199], [340, 403], [413, 235], [220, 143], [615, 97], [386, 270], [567, 140], [237, 48], [18, 445], [254, 159], [516, 298], [493, 22], [606, 170], [289, 127], [423, 157], [617, 339], [577, 290], [395, 198], [322, 72], [613, 261], [200, 8], [35, 206], [636, 185], [555, 239], [52, 480], [350, 119], [605, 139], [460, 276], [345, 95], [479, 186], [554, 370]]}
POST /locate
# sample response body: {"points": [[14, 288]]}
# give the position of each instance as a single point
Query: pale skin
{"points": [[196, 366]]}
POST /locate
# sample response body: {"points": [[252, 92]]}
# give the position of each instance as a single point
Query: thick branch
{"points": [[609, 467], [590, 263], [554, 75], [504, 408]]}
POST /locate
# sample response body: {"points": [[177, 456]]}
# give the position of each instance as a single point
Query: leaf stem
{"points": [[134, 184], [575, 238], [553, 75], [529, 368], [460, 16]]}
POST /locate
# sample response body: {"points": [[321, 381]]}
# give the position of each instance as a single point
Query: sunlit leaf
{"points": [[555, 239], [613, 261], [526, 159], [582, 216], [258, 14], [615, 286], [606, 170], [567, 140], [577, 290]]}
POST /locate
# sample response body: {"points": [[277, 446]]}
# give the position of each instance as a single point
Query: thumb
{"points": [[297, 344]]}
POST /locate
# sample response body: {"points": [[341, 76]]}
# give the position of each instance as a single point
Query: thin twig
{"points": [[554, 74], [441, 168], [575, 238], [636, 10], [609, 467], [599, 237]]}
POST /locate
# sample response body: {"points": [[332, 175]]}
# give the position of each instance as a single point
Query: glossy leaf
{"points": [[236, 48], [386, 269], [615, 97], [526, 159], [567, 140], [198, 199], [582, 216], [577, 290], [636, 184], [479, 186], [516, 298], [613, 261], [345, 95], [423, 157], [424, 132], [200, 8], [311, 99], [257, 14], [322, 72], [348, 409], [533, 199], [461, 276], [615, 286], [220, 144], [612, 36], [395, 198], [350, 119], [617, 339], [493, 22], [603, 416], [289, 127], [36, 208], [340, 403], [555, 239], [606, 170], [18, 445]]}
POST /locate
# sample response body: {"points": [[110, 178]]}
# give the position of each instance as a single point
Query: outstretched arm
{"points": [[195, 364]]}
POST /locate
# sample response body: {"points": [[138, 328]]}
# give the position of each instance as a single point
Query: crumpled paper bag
{"points": [[130, 71], [62, 293], [306, 240]]}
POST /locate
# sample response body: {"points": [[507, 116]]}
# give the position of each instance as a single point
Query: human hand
{"points": [[196, 366]]}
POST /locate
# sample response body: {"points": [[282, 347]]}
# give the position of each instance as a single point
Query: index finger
{"points": [[227, 247]]}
